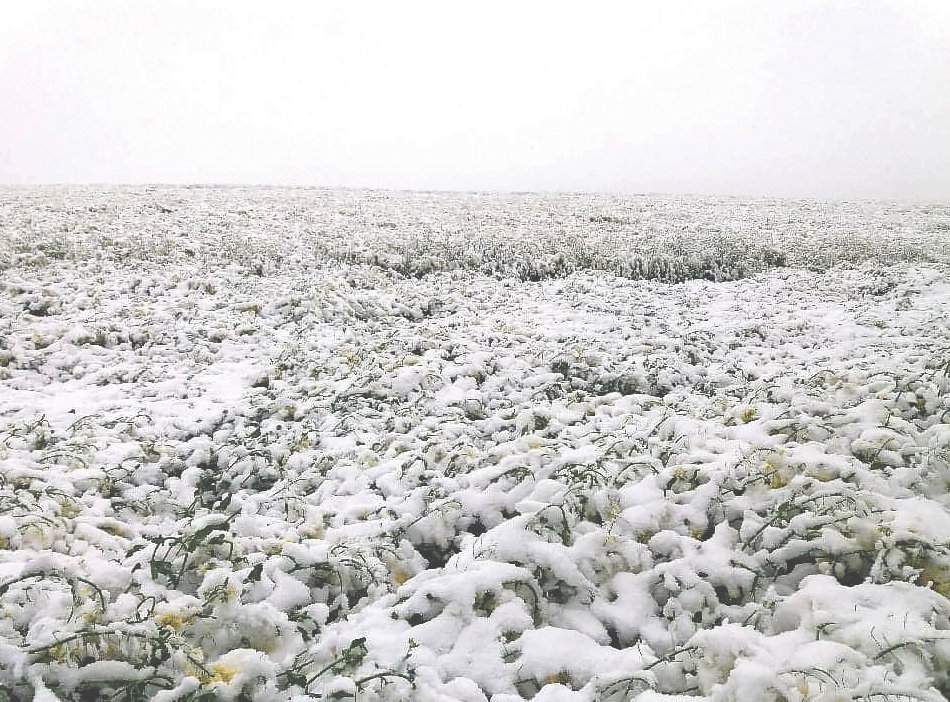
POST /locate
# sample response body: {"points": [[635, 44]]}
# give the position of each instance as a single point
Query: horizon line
{"points": [[483, 192]]}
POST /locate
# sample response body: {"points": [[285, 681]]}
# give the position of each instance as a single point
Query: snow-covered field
{"points": [[266, 444]]}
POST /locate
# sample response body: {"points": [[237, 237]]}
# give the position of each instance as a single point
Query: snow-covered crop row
{"points": [[252, 448]]}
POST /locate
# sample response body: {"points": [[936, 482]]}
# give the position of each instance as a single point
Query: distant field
{"points": [[530, 236], [301, 444]]}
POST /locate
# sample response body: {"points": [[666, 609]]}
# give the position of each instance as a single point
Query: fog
{"points": [[807, 98]]}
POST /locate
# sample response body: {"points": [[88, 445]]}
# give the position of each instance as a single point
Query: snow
{"points": [[504, 449]]}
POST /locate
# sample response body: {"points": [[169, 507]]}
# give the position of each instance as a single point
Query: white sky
{"points": [[756, 97]]}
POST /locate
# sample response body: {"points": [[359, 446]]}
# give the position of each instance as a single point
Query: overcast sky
{"points": [[797, 98]]}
